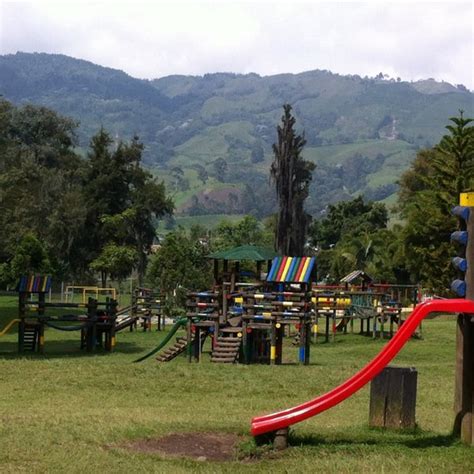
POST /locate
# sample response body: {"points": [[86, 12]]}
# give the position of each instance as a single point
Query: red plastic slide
{"points": [[285, 418]]}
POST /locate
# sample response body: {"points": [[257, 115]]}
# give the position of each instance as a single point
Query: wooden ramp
{"points": [[177, 348]]}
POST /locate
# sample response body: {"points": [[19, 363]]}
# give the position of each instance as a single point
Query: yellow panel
{"points": [[273, 353], [305, 269], [239, 299], [267, 314], [285, 270], [466, 199]]}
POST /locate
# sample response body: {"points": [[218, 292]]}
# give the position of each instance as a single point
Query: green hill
{"points": [[210, 137]]}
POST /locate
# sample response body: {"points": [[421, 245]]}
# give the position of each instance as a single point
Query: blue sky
{"points": [[149, 39]]}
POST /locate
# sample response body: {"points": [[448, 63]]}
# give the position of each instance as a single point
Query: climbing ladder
{"points": [[30, 338], [227, 347], [177, 348]]}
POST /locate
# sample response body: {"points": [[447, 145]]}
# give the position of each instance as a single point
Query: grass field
{"points": [[69, 412]]}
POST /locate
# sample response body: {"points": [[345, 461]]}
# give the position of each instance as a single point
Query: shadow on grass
{"points": [[62, 349], [416, 439]]}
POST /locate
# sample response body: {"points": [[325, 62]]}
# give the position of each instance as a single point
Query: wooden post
{"points": [[113, 317], [333, 325], [326, 314], [259, 270], [279, 343], [272, 343], [224, 302], [21, 327], [197, 343], [464, 378], [281, 439], [40, 336], [393, 398], [302, 345], [189, 335], [244, 342], [216, 272], [307, 342], [92, 328]]}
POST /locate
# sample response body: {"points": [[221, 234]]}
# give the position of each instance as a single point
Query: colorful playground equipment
{"points": [[284, 301], [97, 325], [275, 426], [378, 313], [247, 320]]}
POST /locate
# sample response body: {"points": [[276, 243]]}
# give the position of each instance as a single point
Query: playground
{"points": [[80, 399], [69, 408]]}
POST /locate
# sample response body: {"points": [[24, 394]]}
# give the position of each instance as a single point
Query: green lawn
{"points": [[67, 411]]}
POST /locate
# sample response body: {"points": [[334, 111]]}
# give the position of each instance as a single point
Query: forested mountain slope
{"points": [[210, 137]]}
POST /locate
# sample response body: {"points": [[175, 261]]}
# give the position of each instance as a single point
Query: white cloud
{"points": [[152, 39]]}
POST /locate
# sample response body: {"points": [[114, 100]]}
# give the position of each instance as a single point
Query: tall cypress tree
{"points": [[292, 176]]}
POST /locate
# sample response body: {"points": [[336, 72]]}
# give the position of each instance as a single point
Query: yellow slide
{"points": [[9, 326]]}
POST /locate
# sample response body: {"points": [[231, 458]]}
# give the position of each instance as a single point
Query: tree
{"points": [[353, 217], [247, 231], [41, 185], [220, 169], [124, 199], [428, 191], [178, 266], [30, 257], [115, 261], [292, 176], [257, 155]]}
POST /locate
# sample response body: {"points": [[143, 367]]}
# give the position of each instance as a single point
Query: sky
{"points": [[149, 39]]}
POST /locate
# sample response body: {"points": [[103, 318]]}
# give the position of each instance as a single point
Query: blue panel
{"points": [[459, 287], [460, 236], [461, 211], [460, 263], [302, 354]]}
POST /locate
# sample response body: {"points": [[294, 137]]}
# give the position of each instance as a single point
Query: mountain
{"points": [[209, 137]]}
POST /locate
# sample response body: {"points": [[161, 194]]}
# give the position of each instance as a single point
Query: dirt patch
{"points": [[198, 446]]}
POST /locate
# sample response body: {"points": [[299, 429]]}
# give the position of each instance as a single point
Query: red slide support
{"points": [[285, 418]]}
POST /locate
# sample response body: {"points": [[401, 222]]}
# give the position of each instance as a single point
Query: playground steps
{"points": [[29, 339], [177, 348], [226, 350]]}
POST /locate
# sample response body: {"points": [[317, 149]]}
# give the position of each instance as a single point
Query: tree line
{"points": [[67, 214], [77, 214]]}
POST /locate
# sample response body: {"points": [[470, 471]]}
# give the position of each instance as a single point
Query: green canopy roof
{"points": [[245, 252]]}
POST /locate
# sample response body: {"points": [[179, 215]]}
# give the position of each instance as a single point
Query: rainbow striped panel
{"points": [[291, 269], [34, 284]]}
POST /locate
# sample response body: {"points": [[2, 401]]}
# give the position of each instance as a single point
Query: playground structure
{"points": [[248, 320], [97, 325], [379, 309], [146, 305], [86, 291], [275, 426]]}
